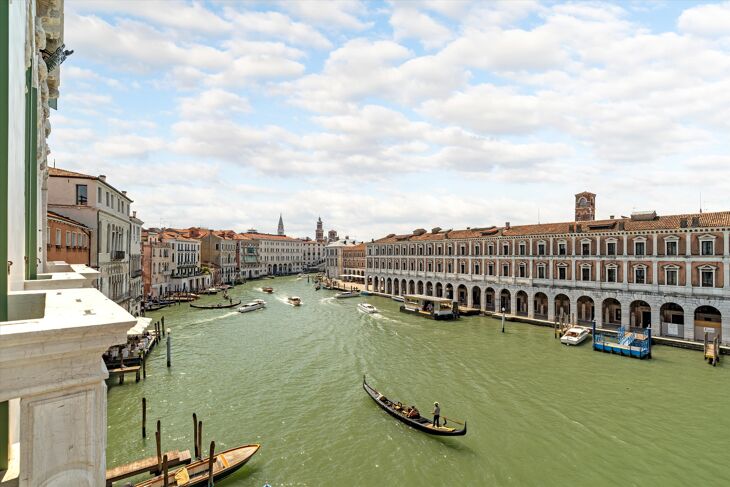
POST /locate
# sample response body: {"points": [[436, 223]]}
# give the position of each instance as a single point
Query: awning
{"points": [[352, 275], [140, 327]]}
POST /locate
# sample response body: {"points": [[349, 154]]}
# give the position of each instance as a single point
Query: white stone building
{"points": [[334, 257], [668, 272], [313, 252], [94, 202], [136, 285], [54, 325], [187, 274], [278, 254]]}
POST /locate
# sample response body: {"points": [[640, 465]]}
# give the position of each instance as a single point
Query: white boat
{"points": [[252, 306], [347, 294], [295, 300], [575, 335], [367, 308], [400, 299]]}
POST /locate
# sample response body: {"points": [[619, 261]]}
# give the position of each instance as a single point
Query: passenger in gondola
{"points": [[436, 414], [413, 413]]}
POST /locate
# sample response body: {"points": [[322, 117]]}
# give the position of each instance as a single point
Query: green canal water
{"points": [[539, 413]]}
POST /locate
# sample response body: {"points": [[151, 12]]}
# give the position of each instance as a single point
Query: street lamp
{"points": [[502, 319]]}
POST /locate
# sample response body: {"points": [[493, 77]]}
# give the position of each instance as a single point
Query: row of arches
{"points": [[584, 310]]}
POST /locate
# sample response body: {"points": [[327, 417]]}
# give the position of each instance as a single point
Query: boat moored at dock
{"points": [[575, 335], [252, 306], [629, 342], [400, 299], [429, 307]]}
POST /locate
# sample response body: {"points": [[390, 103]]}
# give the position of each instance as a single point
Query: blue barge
{"points": [[629, 342]]}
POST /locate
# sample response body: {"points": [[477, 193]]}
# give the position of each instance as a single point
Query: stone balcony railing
{"points": [[53, 375]]}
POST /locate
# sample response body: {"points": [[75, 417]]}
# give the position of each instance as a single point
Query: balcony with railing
{"points": [[118, 255]]}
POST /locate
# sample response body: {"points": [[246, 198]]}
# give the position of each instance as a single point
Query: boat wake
{"points": [[215, 318], [328, 300]]}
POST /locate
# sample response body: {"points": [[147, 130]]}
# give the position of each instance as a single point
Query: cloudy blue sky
{"points": [[388, 116]]}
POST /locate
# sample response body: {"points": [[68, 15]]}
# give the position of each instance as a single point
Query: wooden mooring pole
{"points": [[195, 434], [211, 461], [165, 480], [158, 439], [169, 347], [144, 417], [200, 440]]}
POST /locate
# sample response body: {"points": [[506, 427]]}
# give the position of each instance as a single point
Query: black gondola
{"points": [[422, 424], [215, 306]]}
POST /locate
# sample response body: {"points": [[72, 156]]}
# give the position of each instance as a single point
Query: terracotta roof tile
{"points": [[53, 171]]}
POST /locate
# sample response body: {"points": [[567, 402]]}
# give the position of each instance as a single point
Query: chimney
{"points": [[683, 223], [102, 177], [506, 225], [134, 214], [695, 221], [612, 217], [124, 193]]}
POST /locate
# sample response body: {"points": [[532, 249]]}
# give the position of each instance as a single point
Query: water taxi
{"points": [[252, 306], [575, 336], [367, 308], [400, 299], [267, 290], [347, 294], [295, 300], [429, 307]]}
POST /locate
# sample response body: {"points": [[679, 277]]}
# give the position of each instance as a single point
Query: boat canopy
{"points": [[424, 297], [140, 327]]}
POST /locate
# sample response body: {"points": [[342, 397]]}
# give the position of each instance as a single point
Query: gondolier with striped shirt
{"points": [[436, 414]]}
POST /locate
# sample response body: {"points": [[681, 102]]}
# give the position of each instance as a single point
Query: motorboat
{"points": [[400, 299], [295, 300], [252, 306], [267, 290], [367, 308], [365, 293], [575, 335], [347, 294]]}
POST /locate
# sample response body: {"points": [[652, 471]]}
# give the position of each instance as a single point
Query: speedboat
{"points": [[367, 308], [575, 335], [252, 306], [400, 299], [347, 294], [295, 301], [268, 290]]}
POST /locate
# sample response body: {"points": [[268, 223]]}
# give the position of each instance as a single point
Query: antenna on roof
{"points": [[700, 201]]}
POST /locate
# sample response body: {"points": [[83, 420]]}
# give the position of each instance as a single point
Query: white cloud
{"points": [[127, 146], [277, 25], [342, 14], [213, 103], [706, 20], [409, 23]]}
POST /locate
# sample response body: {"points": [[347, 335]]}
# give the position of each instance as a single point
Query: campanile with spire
{"points": [[280, 230], [319, 234]]}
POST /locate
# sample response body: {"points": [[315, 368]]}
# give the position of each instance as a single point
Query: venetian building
{"points": [[54, 324]]}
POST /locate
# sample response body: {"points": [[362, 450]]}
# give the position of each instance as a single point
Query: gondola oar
{"points": [[452, 420]]}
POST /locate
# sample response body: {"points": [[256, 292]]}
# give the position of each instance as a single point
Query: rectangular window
{"points": [[68, 239], [640, 275], [671, 248], [98, 195], [671, 277], [73, 239], [505, 270], [58, 237], [541, 249], [490, 269], [708, 278], [81, 194], [611, 248], [639, 248], [541, 272], [562, 273], [490, 250], [585, 273], [708, 247], [562, 248], [505, 249], [611, 274], [585, 248], [523, 270], [449, 268], [107, 198], [523, 250]]}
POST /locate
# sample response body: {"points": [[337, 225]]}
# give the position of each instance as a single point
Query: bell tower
{"points": [[585, 207], [319, 234], [280, 230]]}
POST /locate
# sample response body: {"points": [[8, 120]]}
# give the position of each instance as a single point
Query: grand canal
{"points": [[538, 412]]}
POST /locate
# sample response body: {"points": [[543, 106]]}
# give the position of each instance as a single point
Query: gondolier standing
{"points": [[436, 414]]}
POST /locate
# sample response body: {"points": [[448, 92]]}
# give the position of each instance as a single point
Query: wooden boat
{"points": [[295, 301], [420, 423], [224, 464], [268, 290], [216, 306], [210, 290]]}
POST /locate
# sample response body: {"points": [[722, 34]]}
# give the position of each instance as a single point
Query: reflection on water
{"points": [[539, 413]]}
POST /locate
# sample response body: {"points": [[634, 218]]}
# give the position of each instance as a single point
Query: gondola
{"points": [[224, 464], [215, 306], [422, 424]]}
